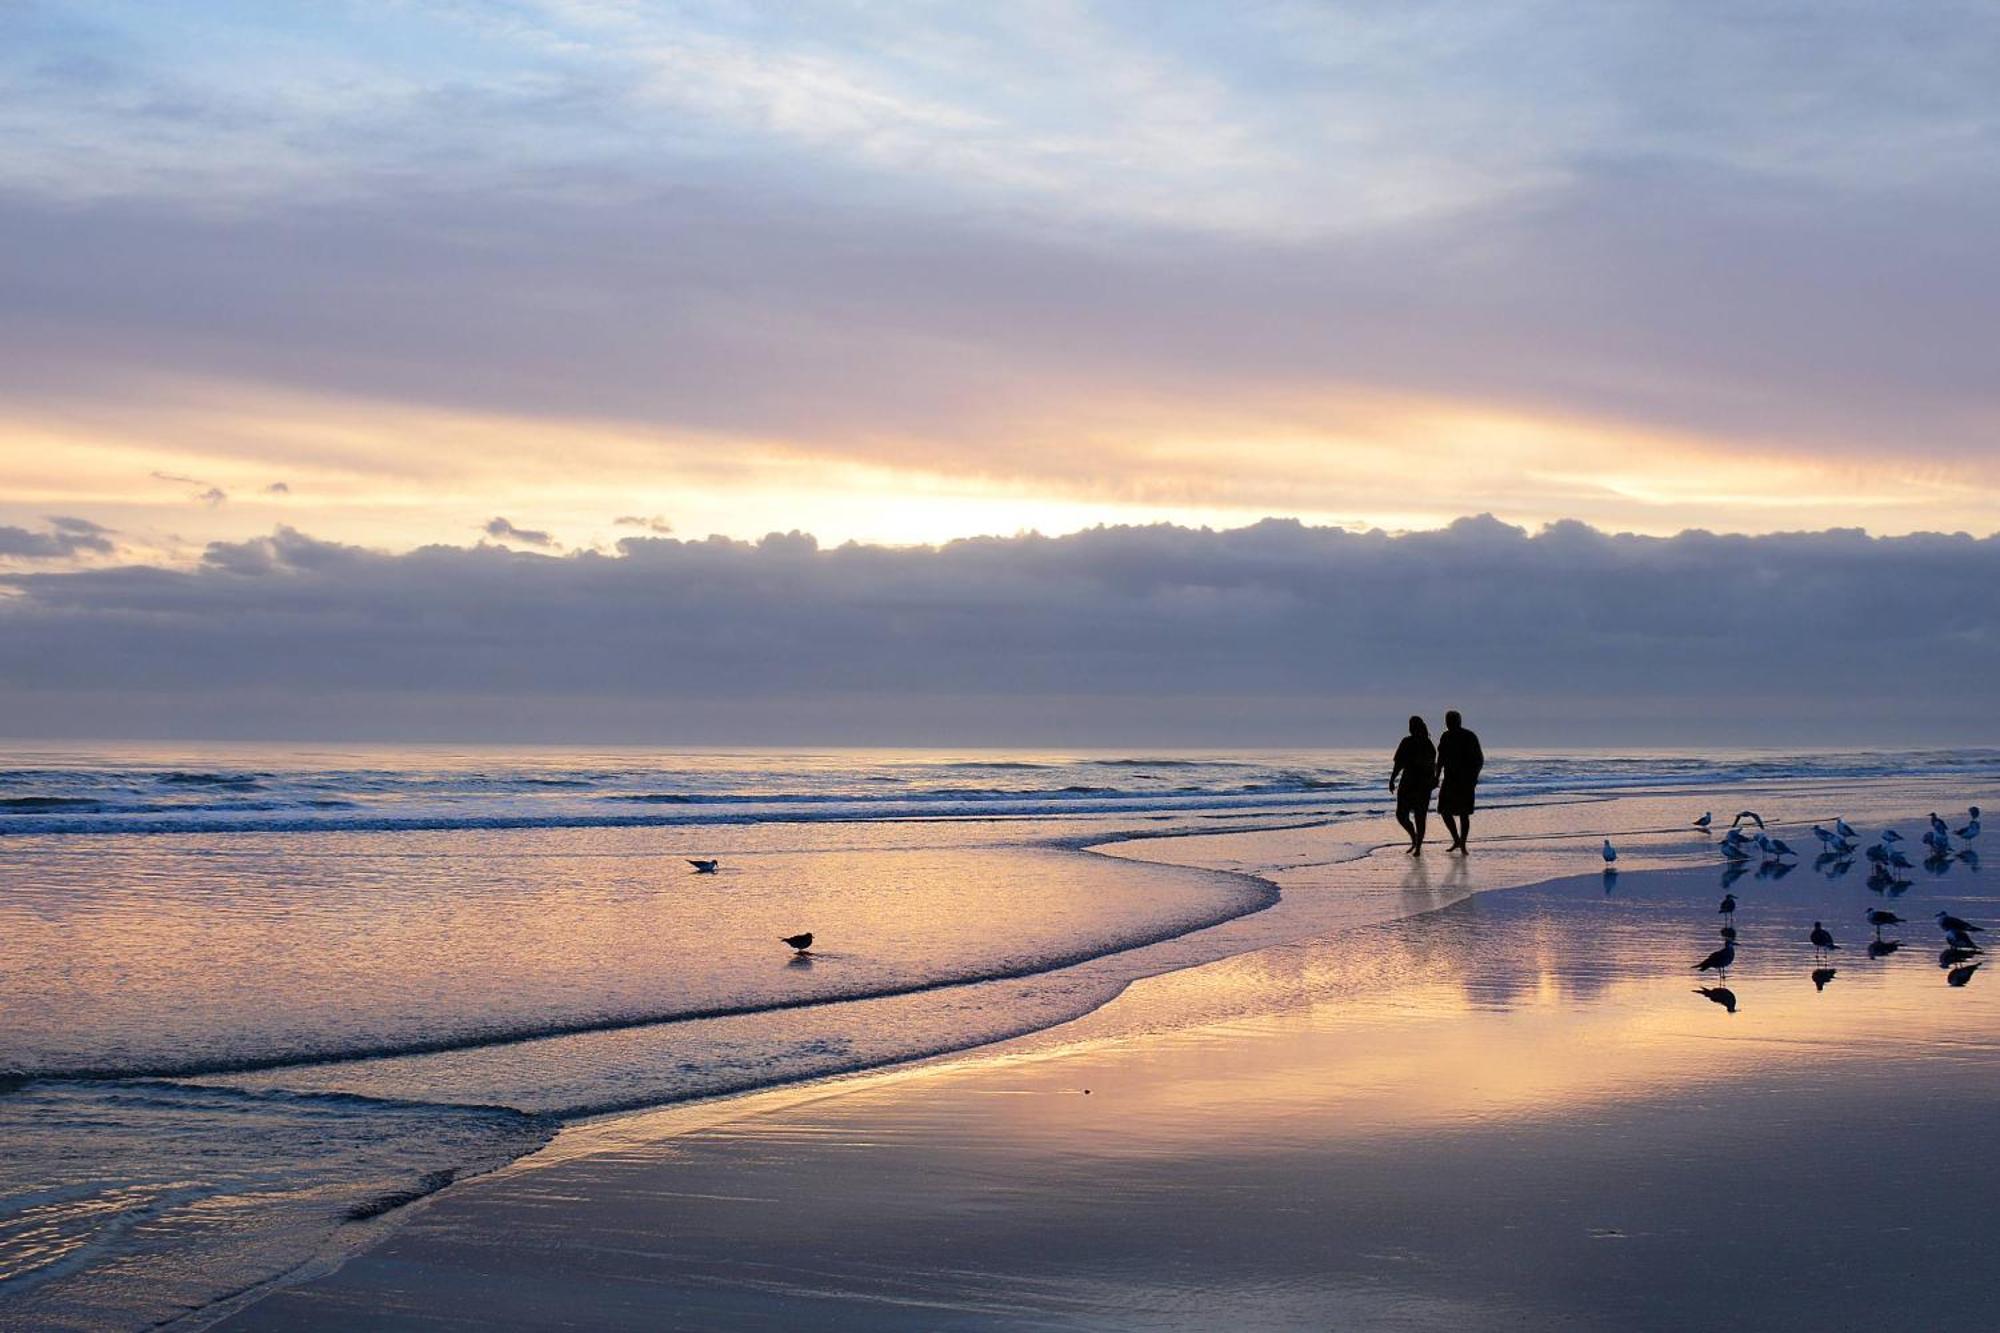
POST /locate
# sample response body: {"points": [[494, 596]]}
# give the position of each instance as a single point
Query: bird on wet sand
{"points": [[1879, 918], [1958, 939], [1707, 818], [1610, 852], [1956, 925], [799, 943], [703, 866], [1822, 938], [1845, 830], [1719, 961], [1890, 835]]}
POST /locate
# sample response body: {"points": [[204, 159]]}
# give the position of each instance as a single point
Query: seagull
{"points": [[1878, 918], [1778, 847], [1750, 815], [1610, 852], [704, 867], [1822, 938], [1719, 961], [1726, 997], [1898, 859], [1957, 925], [1938, 825], [1734, 852], [799, 943], [1890, 835], [1971, 830], [1822, 975], [1845, 829], [1707, 818], [1958, 939], [1825, 839], [1879, 854]]}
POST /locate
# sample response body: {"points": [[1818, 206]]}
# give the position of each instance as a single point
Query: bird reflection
{"points": [[1832, 864], [1880, 948], [1776, 869], [1729, 933], [1971, 859], [1734, 872], [1958, 976], [1956, 955], [800, 962], [1610, 878], [1938, 862], [1822, 975], [1726, 997]]}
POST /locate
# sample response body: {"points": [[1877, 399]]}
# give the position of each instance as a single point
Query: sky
{"points": [[524, 290]]}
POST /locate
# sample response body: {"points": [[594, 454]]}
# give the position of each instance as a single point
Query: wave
{"points": [[1259, 895]]}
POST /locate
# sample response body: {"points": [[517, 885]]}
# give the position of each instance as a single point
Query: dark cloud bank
{"points": [[1272, 634]]}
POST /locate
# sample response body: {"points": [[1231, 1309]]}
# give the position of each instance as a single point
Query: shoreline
{"points": [[629, 1131]]}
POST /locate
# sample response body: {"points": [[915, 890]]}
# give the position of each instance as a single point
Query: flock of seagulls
{"points": [[1774, 858], [801, 944]]}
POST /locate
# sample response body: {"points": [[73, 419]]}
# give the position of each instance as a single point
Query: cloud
{"points": [[1275, 633], [655, 524], [500, 528], [213, 496], [277, 488], [68, 538]]}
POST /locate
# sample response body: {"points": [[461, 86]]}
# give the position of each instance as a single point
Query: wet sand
{"points": [[1514, 1111]]}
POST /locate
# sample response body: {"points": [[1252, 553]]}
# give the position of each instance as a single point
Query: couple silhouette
{"points": [[1450, 767]]}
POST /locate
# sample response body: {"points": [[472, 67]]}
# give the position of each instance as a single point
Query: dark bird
{"points": [[704, 867], [1719, 961], [1881, 948], [1822, 938], [1958, 939], [1844, 829], [1950, 924], [1822, 975], [800, 942], [1958, 976], [1728, 907], [1707, 818], [1750, 815], [1722, 995], [1878, 918]]}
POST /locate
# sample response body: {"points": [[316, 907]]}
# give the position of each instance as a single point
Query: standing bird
{"points": [[1971, 829], [1890, 835], [1845, 830], [1878, 918], [1728, 907], [1938, 825], [1825, 839], [1958, 939], [1822, 938], [1719, 961], [1775, 847], [703, 866], [799, 943], [1958, 925], [1707, 818], [1610, 852]]}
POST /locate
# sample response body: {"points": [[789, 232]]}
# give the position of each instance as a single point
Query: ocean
{"points": [[256, 998]]}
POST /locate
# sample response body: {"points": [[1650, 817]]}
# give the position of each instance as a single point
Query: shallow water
{"points": [[486, 937]]}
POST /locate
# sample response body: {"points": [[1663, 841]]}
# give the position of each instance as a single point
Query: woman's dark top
{"points": [[1416, 760], [1461, 758]]}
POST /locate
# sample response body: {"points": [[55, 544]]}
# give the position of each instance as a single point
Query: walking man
{"points": [[1459, 761]]}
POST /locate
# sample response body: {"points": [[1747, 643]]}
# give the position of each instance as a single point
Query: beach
{"points": [[1184, 1054], [1513, 1112]]}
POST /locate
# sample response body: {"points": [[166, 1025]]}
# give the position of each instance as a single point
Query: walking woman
{"points": [[1416, 765]]}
